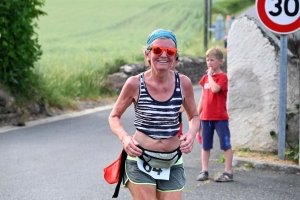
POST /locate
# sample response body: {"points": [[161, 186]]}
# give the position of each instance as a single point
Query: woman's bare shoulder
{"points": [[185, 81], [131, 86], [132, 82]]}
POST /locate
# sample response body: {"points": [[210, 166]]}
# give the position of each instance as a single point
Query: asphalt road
{"points": [[64, 160]]}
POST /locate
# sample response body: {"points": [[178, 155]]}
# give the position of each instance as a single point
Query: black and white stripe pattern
{"points": [[157, 119]]}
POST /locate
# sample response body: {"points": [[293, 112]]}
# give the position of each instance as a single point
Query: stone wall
{"points": [[253, 96], [194, 68], [13, 114]]}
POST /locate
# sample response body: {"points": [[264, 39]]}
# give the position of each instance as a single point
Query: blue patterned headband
{"points": [[159, 34]]}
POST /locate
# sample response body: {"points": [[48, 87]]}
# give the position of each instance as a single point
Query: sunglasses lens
{"points": [[171, 52], [157, 50]]}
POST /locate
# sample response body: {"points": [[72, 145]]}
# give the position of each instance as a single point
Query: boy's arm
{"points": [[214, 87]]}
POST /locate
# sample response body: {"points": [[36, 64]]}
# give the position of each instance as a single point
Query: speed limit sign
{"points": [[280, 16]]}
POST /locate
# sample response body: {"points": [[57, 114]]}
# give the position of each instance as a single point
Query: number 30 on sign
{"points": [[280, 16]]}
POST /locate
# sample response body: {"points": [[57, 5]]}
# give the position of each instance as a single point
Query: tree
{"points": [[19, 48]]}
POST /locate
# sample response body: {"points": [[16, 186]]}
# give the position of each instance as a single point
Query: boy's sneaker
{"points": [[203, 176]]}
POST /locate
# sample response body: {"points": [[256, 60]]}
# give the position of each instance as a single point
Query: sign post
{"points": [[282, 17], [282, 96]]}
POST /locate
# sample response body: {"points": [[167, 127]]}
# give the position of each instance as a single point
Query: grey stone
{"points": [[3, 110], [34, 108], [2, 100], [18, 122]]}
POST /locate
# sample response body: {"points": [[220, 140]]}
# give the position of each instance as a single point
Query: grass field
{"points": [[82, 40], [109, 28]]}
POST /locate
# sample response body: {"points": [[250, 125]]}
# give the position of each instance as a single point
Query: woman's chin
{"points": [[163, 67]]}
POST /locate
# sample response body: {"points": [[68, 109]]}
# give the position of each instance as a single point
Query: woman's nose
{"points": [[164, 53]]}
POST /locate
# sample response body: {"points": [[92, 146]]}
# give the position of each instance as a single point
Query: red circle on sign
{"points": [[278, 28]]}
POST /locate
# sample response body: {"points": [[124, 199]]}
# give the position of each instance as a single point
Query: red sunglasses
{"points": [[159, 50]]}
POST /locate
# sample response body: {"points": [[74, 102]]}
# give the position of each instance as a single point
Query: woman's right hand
{"points": [[130, 146]]}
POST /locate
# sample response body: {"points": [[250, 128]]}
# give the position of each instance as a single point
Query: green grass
{"points": [[249, 165], [105, 29], [232, 6], [84, 41], [221, 159]]}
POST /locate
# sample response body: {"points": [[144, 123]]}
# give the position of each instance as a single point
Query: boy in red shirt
{"points": [[213, 114]]}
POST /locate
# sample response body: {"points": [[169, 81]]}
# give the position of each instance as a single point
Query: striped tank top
{"points": [[158, 120]]}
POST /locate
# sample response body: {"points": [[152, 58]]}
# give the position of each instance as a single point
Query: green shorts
{"points": [[176, 181]]}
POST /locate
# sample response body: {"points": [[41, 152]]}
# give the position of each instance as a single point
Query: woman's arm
{"points": [[189, 105], [200, 105], [127, 96]]}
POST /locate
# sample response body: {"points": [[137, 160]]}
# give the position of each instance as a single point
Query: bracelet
{"points": [[209, 74]]}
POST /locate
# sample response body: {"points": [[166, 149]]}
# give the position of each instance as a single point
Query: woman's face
{"points": [[163, 61]]}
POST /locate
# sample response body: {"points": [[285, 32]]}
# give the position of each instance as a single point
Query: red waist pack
{"points": [[114, 172]]}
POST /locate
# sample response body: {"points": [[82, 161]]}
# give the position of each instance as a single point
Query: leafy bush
{"points": [[292, 153], [19, 48]]}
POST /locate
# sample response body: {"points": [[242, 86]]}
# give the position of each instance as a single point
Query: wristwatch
{"points": [[209, 74]]}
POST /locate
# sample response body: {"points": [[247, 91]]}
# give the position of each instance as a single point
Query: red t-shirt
{"points": [[214, 104]]}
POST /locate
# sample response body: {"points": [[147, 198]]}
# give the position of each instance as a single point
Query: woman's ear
{"points": [[147, 55]]}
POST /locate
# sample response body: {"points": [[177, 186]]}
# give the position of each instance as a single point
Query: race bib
{"points": [[156, 173]]}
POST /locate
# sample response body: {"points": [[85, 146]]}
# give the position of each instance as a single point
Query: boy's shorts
{"points": [[222, 129], [136, 176]]}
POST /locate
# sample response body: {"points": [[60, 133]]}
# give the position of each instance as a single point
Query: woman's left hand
{"points": [[187, 143]]}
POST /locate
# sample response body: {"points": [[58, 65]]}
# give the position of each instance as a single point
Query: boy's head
{"points": [[214, 52], [214, 59]]}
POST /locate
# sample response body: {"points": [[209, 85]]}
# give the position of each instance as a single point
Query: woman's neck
{"points": [[159, 77]]}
